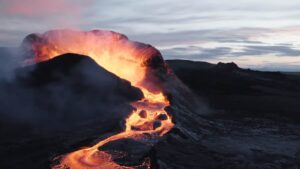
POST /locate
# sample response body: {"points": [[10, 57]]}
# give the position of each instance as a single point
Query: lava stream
{"points": [[92, 158]]}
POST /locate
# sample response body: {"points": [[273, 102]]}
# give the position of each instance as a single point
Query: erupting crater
{"points": [[136, 62]]}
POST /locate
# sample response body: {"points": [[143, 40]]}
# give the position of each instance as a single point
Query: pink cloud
{"points": [[41, 7]]}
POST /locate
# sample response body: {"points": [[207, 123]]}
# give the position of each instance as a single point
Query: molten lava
{"points": [[128, 60]]}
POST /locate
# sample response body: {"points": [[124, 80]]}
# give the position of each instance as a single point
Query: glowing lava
{"points": [[127, 59]]}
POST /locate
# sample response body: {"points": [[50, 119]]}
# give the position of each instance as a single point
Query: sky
{"points": [[257, 34]]}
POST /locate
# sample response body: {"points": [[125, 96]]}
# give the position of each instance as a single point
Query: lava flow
{"points": [[128, 60]]}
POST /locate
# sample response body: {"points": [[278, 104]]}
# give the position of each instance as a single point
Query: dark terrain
{"points": [[233, 91], [225, 117], [252, 121]]}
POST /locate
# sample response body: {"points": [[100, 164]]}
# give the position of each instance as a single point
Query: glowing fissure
{"points": [[125, 59]]}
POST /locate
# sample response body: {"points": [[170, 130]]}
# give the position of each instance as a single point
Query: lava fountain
{"points": [[136, 62]]}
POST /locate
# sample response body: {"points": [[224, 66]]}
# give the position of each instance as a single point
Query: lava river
{"points": [[128, 60]]}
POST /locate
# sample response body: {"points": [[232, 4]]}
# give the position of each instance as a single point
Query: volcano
{"points": [[99, 100], [135, 62]]}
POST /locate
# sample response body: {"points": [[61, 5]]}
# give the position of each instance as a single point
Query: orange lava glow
{"points": [[127, 60]]}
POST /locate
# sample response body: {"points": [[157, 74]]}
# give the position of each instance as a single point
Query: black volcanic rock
{"points": [[56, 106], [127, 152]]}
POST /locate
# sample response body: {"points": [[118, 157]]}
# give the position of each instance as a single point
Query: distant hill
{"points": [[243, 92]]}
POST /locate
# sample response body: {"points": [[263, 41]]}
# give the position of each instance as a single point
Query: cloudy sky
{"points": [[259, 34]]}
